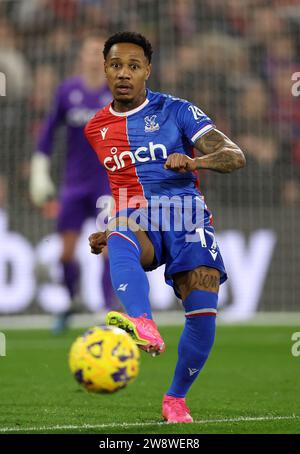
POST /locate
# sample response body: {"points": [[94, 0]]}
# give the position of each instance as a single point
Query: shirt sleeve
{"points": [[52, 120], [193, 122]]}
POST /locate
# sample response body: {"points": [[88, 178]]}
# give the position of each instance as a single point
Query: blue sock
{"points": [[128, 277], [196, 340]]}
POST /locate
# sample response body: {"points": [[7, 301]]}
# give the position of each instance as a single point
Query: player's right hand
{"points": [[41, 187], [97, 242], [179, 162]]}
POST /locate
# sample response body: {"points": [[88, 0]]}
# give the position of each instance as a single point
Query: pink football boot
{"points": [[142, 330], [174, 410]]}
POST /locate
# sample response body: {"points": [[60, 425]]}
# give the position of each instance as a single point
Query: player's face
{"points": [[127, 69]]}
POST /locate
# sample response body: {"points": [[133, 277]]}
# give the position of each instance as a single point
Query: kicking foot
{"points": [[142, 330], [174, 410]]}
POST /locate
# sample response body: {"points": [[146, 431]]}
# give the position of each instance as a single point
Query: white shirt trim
{"points": [[129, 112], [201, 132]]}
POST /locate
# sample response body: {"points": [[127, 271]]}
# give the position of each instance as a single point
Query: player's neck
{"points": [[126, 106]]}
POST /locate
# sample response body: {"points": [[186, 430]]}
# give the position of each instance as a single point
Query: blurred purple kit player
{"points": [[76, 100], [83, 179]]}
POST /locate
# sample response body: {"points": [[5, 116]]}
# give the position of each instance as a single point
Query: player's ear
{"points": [[148, 71], [105, 69]]}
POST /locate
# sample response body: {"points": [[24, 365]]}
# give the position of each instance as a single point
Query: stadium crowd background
{"points": [[232, 58]]}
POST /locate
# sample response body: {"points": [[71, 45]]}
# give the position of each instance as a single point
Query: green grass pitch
{"points": [[250, 384]]}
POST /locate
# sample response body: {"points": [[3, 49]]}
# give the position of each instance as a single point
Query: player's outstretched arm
{"points": [[220, 153], [41, 186]]}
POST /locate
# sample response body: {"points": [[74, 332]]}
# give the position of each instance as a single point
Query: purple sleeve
{"points": [[50, 123]]}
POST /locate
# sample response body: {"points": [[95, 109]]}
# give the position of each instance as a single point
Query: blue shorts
{"points": [[183, 237]]}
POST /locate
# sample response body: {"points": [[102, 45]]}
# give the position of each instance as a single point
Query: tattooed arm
{"points": [[220, 154]]}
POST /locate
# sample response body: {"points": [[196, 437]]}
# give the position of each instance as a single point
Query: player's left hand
{"points": [[180, 163]]}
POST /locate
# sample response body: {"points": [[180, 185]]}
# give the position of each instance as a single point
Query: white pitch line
{"points": [[139, 424]]}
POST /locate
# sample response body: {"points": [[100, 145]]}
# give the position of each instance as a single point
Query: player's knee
{"points": [[127, 227], [123, 247], [201, 278]]}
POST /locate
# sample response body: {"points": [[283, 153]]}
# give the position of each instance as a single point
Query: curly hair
{"points": [[128, 37]]}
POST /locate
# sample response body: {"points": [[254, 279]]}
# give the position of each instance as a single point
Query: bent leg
{"points": [[128, 252]]}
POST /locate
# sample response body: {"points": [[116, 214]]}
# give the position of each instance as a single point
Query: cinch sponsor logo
{"points": [[141, 154]]}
